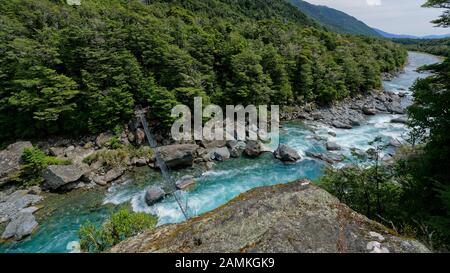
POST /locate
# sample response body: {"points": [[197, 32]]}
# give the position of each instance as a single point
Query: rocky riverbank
{"points": [[351, 112], [99, 162], [296, 217], [104, 159]]}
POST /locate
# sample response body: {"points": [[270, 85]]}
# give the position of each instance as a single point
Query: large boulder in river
{"points": [[286, 154], [332, 146], [10, 159], [21, 226], [57, 176], [293, 218], [327, 157], [178, 156], [153, 195], [341, 125], [395, 108], [253, 148]]}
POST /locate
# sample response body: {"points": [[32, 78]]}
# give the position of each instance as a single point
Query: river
{"points": [[63, 214]]}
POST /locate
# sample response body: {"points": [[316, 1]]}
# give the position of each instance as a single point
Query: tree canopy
{"points": [[430, 117], [83, 69]]}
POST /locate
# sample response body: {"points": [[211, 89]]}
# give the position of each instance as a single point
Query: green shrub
{"points": [[114, 143], [34, 161], [368, 191], [118, 157], [118, 227]]}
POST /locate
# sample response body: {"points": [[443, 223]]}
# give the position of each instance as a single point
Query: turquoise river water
{"points": [[62, 215]]}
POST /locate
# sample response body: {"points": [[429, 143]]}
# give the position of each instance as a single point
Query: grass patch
{"points": [[118, 157]]}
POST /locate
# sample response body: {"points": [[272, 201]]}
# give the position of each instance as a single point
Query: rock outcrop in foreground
{"points": [[296, 217]]}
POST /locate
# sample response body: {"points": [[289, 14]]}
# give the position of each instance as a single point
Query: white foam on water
{"points": [[118, 196], [217, 173]]}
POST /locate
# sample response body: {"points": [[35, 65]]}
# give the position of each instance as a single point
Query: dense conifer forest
{"points": [[70, 70]]}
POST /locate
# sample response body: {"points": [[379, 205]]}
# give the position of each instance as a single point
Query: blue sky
{"points": [[395, 16]]}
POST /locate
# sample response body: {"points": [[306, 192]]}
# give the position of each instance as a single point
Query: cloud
{"points": [[373, 2]]}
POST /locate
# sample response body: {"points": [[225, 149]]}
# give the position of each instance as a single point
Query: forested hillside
{"points": [[435, 46], [83, 69], [335, 20]]}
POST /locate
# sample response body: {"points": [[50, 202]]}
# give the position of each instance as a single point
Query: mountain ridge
{"points": [[407, 36], [335, 20]]}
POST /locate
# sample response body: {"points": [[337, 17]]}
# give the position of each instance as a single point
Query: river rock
{"points": [[341, 125], [110, 176], [211, 144], [236, 148], [381, 107], [12, 204], [185, 182], [333, 146], [103, 139], [253, 148], [76, 155], [310, 220], [333, 134], [313, 155], [400, 120], [29, 210], [354, 122], [328, 157], [369, 110], [56, 151], [178, 156], [286, 154], [221, 154], [139, 161], [357, 106], [395, 108], [59, 175], [21, 226], [10, 159], [36, 190], [332, 158], [153, 195], [204, 154]]}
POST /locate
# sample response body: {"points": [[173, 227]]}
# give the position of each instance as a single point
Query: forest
{"points": [[72, 70], [439, 47]]}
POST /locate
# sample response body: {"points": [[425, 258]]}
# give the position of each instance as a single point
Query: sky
{"points": [[394, 16]]}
